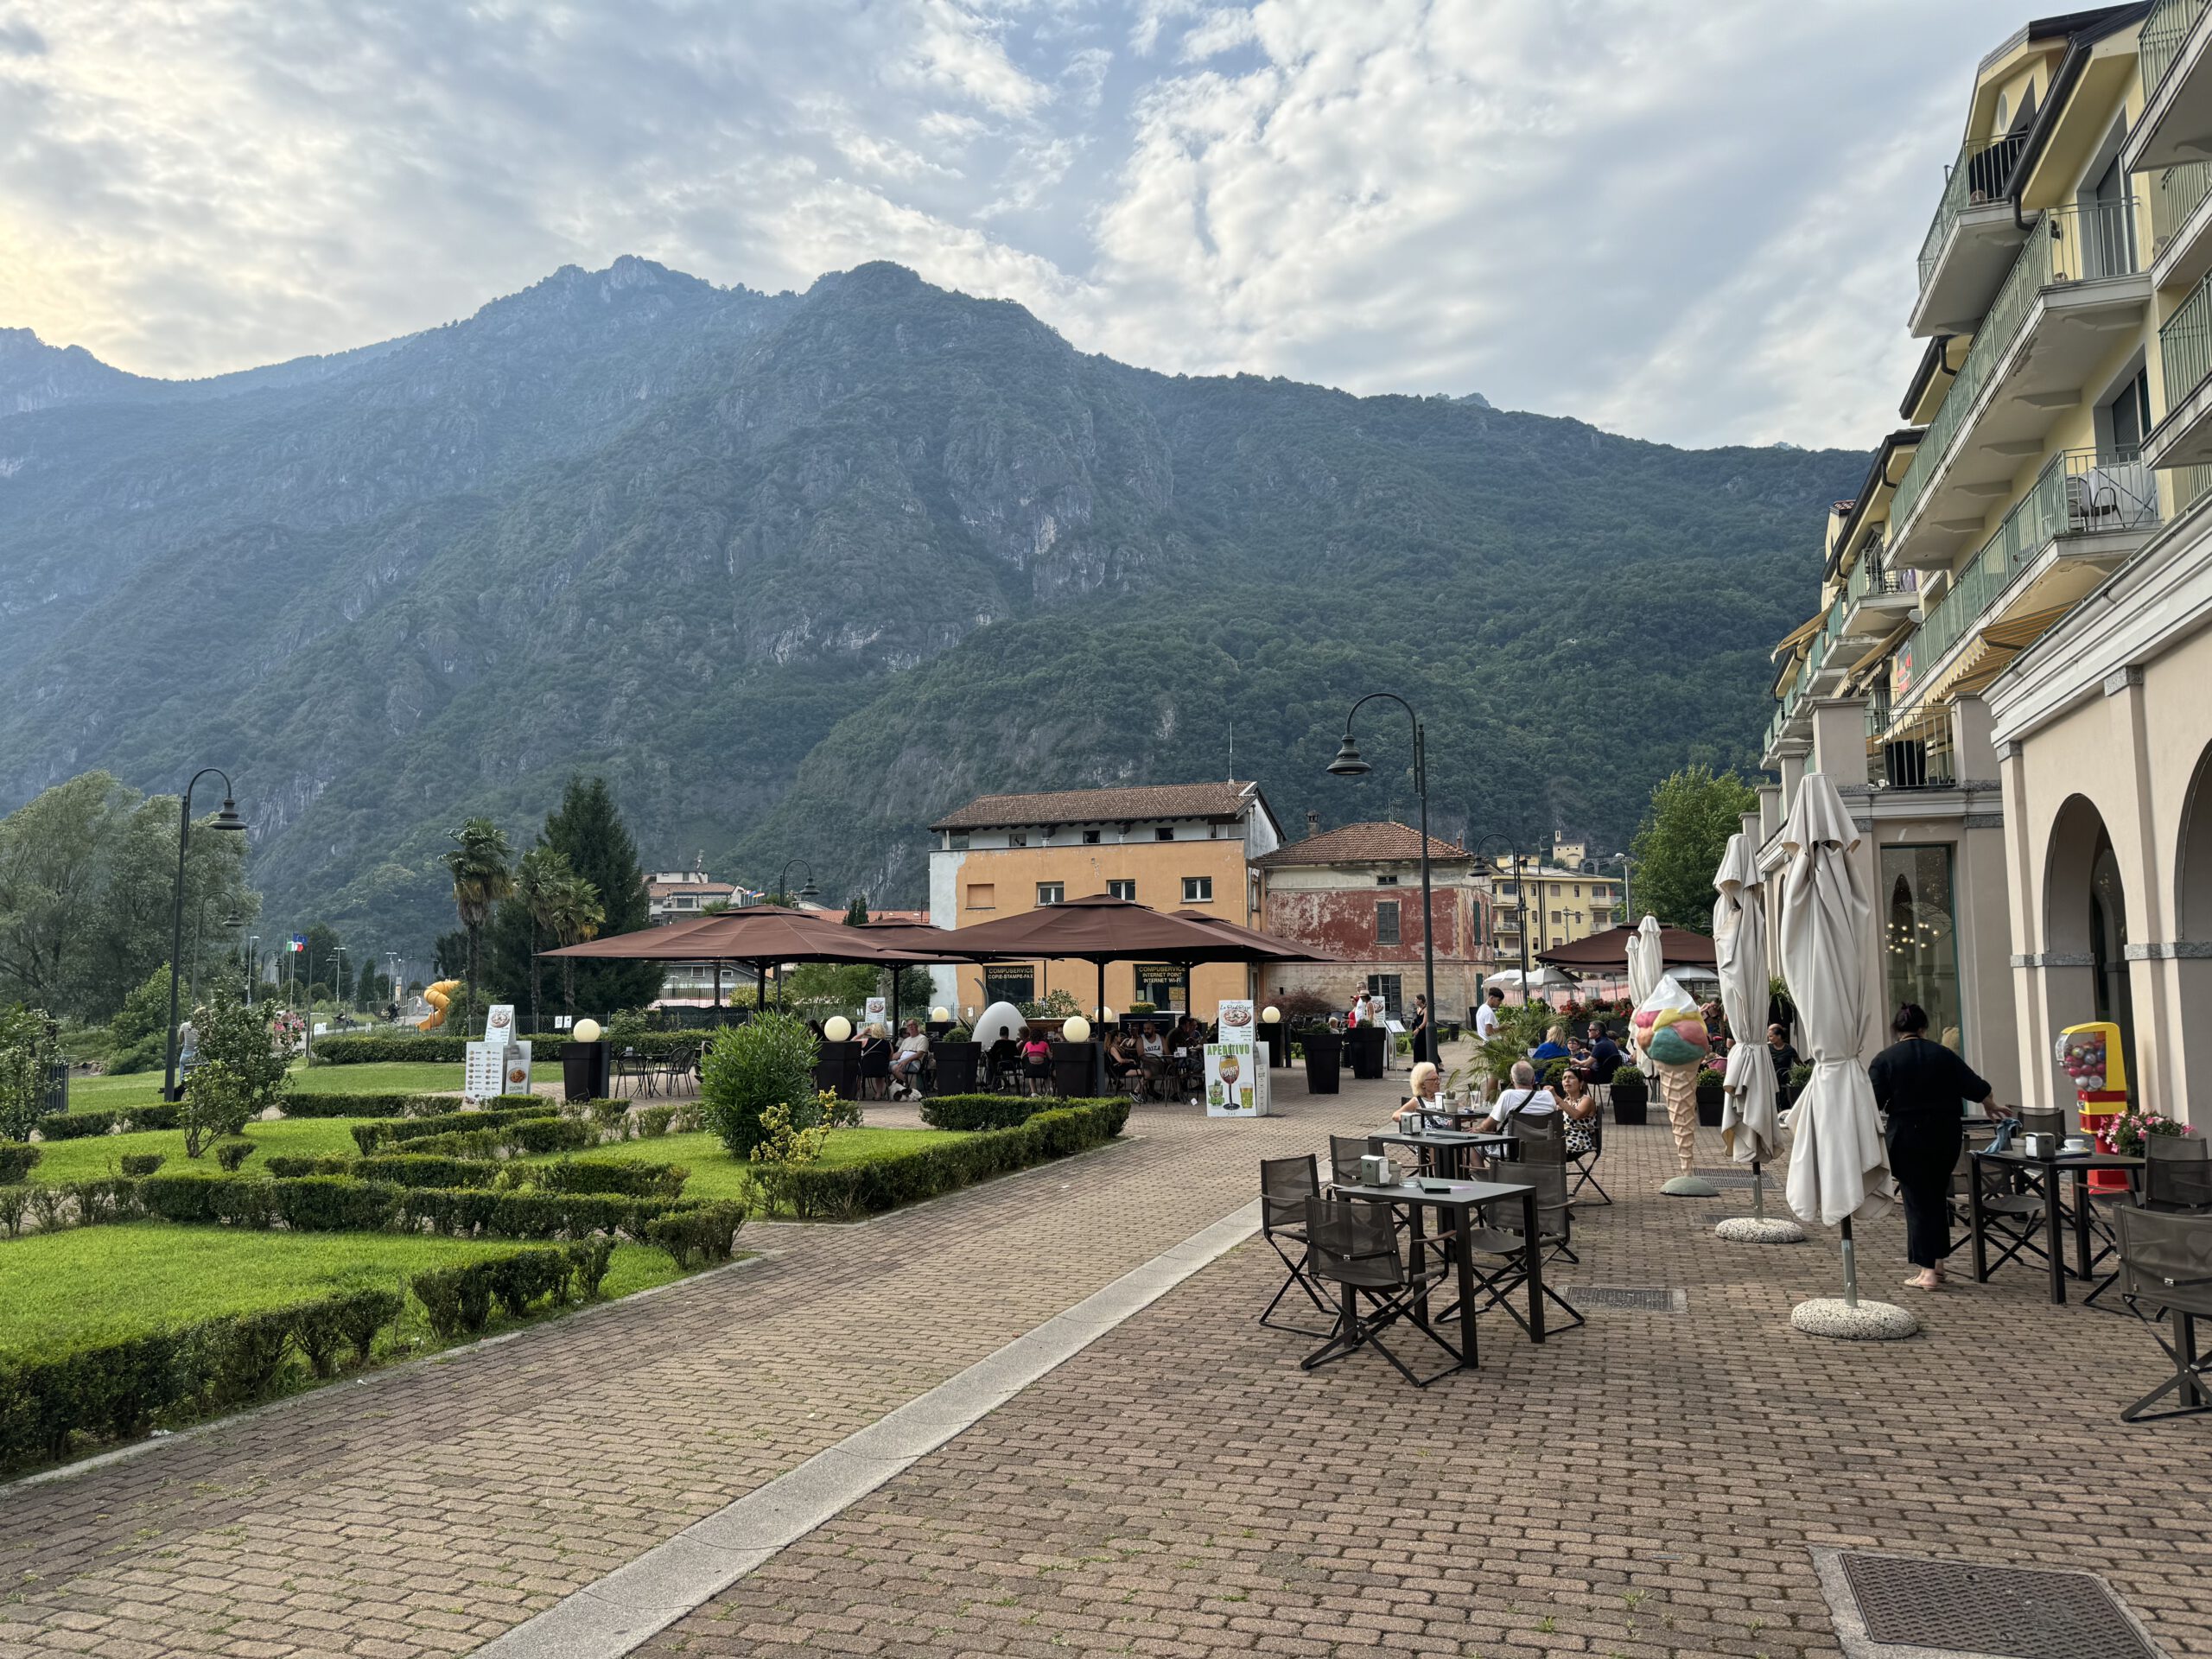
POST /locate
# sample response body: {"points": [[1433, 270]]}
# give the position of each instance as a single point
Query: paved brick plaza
{"points": [[1647, 1485]]}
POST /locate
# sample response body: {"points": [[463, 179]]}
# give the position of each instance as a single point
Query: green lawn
{"points": [[103, 1283], [716, 1174], [387, 1077], [96, 1156]]}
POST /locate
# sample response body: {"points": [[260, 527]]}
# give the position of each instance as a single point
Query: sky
{"points": [[1694, 222]]}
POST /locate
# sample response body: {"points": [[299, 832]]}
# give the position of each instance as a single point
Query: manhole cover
{"points": [[1899, 1603], [1649, 1299], [1728, 1175]]}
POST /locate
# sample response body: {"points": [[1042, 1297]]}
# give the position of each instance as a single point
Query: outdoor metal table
{"points": [[1459, 1200], [2043, 1173], [1443, 1152]]}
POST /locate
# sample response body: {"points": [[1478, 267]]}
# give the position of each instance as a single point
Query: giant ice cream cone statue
{"points": [[1676, 1041]]}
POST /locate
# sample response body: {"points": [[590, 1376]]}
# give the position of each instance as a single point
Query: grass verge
{"points": [[98, 1156]]}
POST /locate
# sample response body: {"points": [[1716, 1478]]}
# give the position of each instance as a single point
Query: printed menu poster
{"points": [[1236, 1071], [494, 1069], [500, 1023]]}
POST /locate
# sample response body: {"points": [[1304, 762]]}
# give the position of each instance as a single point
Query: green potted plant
{"points": [[1709, 1095], [1631, 1096]]}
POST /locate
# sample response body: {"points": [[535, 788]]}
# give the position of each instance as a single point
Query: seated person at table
{"points": [[1187, 1035], [1427, 1108], [1150, 1046], [1036, 1061], [1605, 1058], [1523, 1099], [1554, 1047], [1121, 1058], [874, 1060], [1579, 1107], [912, 1046]]}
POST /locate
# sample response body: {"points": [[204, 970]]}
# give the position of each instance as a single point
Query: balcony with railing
{"points": [[2077, 280], [2176, 67], [2180, 248], [1877, 594], [2082, 514], [1914, 750], [2184, 438], [1971, 240]]}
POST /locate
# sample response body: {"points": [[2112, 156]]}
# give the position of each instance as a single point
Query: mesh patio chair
{"points": [[2177, 1172], [632, 1068], [2165, 1268], [1585, 1164], [1355, 1247], [2033, 1122], [1284, 1185], [1344, 1153], [2010, 1217], [1539, 1137], [1496, 1258]]}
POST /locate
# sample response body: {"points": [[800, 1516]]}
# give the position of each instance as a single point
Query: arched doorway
{"points": [[2085, 925], [2192, 971]]}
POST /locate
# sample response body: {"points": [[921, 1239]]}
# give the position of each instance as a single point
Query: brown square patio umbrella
{"points": [[758, 934]]}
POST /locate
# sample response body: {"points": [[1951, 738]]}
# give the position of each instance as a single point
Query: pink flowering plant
{"points": [[2128, 1130]]}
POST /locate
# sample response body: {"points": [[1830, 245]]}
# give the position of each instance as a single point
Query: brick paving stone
{"points": [[1649, 1485], [430, 1508]]}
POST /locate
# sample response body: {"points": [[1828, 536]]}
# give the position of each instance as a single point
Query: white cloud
{"points": [[1693, 221]]}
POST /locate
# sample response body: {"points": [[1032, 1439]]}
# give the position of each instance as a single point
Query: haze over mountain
{"points": [[798, 572]]}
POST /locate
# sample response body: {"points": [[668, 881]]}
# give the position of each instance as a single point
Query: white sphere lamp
{"points": [[1270, 1014], [587, 1031], [942, 1016], [836, 1028], [1077, 1030]]}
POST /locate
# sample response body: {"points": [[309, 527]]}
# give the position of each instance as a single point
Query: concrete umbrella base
{"points": [[1832, 1316], [1690, 1186], [1760, 1229]]}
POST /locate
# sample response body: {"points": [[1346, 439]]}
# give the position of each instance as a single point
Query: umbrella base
{"points": [[1690, 1186], [1760, 1229], [1831, 1316]]}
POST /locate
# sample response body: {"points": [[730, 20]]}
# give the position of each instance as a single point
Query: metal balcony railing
{"points": [[1874, 577], [1982, 170], [2176, 193], [2077, 493], [2069, 245], [2185, 343], [1912, 751], [2163, 31]]}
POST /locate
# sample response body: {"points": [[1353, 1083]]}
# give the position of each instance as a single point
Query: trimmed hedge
{"points": [[993, 1111], [300, 1105], [400, 1169], [326, 1203], [370, 1137], [76, 1126], [365, 1048], [631, 1177], [116, 1390], [16, 1160], [459, 1299], [885, 1183]]}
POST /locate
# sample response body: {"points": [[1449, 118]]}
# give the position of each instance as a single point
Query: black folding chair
{"points": [[1585, 1164], [2165, 1269], [1344, 1153], [1496, 1255], [1355, 1247], [1284, 1185], [2010, 1216]]}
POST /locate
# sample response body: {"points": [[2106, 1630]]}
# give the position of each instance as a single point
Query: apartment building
{"points": [[685, 896], [2012, 762], [1172, 847], [1557, 902]]}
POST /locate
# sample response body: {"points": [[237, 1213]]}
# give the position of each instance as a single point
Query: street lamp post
{"points": [[1628, 904], [808, 893], [228, 821], [1348, 764], [252, 964], [1520, 898]]}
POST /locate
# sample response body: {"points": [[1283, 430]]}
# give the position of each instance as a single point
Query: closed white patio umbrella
{"points": [[1749, 1127], [1839, 1168], [1646, 962]]}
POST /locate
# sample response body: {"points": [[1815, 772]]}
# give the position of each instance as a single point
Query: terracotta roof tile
{"points": [[1101, 806], [1362, 843]]}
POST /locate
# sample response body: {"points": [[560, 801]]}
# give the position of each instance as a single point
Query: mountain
{"points": [[798, 572]]}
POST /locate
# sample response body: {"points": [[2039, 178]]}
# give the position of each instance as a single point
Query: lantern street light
{"points": [[1348, 764], [808, 893], [228, 821]]}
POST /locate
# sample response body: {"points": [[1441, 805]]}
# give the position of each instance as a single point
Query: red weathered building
{"points": [[1356, 891]]}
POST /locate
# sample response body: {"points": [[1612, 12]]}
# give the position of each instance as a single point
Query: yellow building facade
{"points": [[1171, 846]]}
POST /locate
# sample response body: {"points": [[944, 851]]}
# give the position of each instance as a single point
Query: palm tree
{"points": [[538, 875], [574, 914], [480, 879]]}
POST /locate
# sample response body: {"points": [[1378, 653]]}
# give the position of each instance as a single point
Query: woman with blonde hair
{"points": [[1427, 1108]]}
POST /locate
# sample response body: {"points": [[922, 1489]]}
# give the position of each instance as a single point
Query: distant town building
{"points": [[674, 896], [1356, 891], [1171, 846], [1558, 903]]}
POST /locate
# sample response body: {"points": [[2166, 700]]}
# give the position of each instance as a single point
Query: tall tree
{"points": [[588, 829], [1679, 845], [539, 876], [857, 911], [479, 862], [574, 912]]}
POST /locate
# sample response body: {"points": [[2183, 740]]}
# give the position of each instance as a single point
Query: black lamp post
{"points": [[808, 893], [228, 821], [1519, 900], [1348, 764]]}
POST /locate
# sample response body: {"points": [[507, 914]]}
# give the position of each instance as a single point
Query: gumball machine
{"points": [[2090, 1057]]}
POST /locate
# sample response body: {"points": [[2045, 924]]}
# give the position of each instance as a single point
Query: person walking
{"points": [[1423, 1034], [1923, 1087]]}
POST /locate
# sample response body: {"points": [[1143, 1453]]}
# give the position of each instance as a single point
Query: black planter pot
{"points": [[956, 1067], [1324, 1052], [1365, 1045], [1079, 1071], [1278, 1041], [1631, 1104], [584, 1068], [837, 1068], [1708, 1104]]}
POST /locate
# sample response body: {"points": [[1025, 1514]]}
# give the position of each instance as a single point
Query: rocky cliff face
{"points": [[795, 570]]}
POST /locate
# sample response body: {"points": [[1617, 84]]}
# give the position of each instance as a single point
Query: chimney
{"points": [[1312, 823]]}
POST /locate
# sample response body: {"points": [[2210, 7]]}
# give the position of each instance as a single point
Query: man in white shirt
{"points": [[1359, 1015], [1486, 1015], [914, 1045], [1523, 1099]]}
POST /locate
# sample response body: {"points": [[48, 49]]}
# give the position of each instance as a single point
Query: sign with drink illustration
{"points": [[1236, 1076]]}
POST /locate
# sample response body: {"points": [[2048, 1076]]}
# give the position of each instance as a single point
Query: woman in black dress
{"points": [[1925, 1087]]}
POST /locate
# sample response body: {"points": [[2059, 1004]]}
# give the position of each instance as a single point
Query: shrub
{"points": [[367, 1048], [418, 1169], [231, 1154], [528, 1276], [504, 1109], [543, 1135], [456, 1300], [587, 1260], [906, 1177], [350, 1320], [14, 1204], [459, 1299], [382, 1105], [654, 1122], [991, 1111], [631, 1176], [76, 1126], [834, 1111], [611, 1116], [16, 1160], [217, 1103], [237, 1037], [767, 1061], [696, 1237], [143, 1163], [26, 1058], [783, 1150]]}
